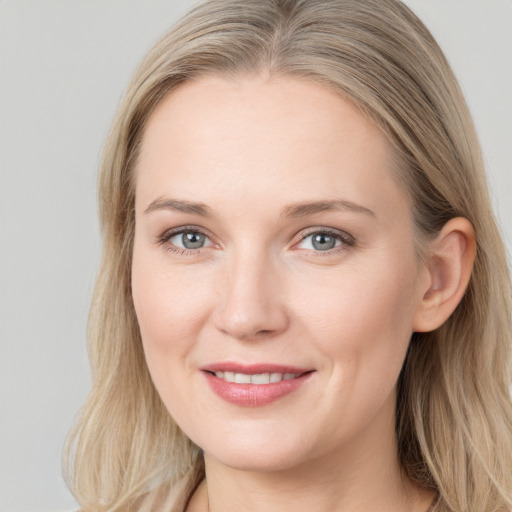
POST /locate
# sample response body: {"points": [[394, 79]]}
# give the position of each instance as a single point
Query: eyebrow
{"points": [[309, 208], [179, 206], [294, 210]]}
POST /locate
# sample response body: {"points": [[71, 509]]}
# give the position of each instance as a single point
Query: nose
{"points": [[251, 304]]}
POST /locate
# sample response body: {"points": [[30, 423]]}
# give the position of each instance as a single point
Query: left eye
{"points": [[320, 241], [190, 240]]}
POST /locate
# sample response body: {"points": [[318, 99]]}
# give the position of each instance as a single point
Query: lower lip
{"points": [[254, 395]]}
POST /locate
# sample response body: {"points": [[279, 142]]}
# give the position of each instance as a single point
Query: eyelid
{"points": [[346, 239], [165, 238]]}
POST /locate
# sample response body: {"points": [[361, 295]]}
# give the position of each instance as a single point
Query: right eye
{"points": [[185, 240], [189, 240]]}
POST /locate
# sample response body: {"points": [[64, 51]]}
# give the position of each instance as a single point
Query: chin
{"points": [[248, 460], [263, 454]]}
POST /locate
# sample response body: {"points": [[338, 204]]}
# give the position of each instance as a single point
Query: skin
{"points": [[258, 291]]}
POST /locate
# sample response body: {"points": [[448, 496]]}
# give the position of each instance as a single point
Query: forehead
{"points": [[257, 137]]}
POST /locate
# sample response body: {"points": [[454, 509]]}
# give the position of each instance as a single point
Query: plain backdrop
{"points": [[63, 67]]}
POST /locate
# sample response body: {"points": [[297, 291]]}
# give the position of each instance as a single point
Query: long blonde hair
{"points": [[454, 415]]}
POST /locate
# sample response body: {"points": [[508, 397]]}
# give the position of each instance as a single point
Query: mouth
{"points": [[254, 385], [255, 378]]}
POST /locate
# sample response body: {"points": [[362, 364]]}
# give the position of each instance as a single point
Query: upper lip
{"points": [[253, 369]]}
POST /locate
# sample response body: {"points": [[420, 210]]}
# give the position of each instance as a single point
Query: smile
{"points": [[254, 385], [257, 378]]}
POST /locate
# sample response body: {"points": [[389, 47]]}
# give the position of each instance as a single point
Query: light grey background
{"points": [[63, 67]]}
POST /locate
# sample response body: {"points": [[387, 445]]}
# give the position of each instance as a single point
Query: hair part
{"points": [[454, 416]]}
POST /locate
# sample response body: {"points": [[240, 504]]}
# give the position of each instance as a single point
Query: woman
{"points": [[303, 302]]}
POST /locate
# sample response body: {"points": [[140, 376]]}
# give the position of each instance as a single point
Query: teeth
{"points": [[242, 378], [261, 378], [228, 376], [257, 378]]}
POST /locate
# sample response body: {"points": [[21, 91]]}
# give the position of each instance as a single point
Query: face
{"points": [[274, 273]]}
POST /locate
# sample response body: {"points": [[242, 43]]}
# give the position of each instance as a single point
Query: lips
{"points": [[255, 378], [254, 385]]}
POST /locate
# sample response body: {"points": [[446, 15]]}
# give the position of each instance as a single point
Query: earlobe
{"points": [[449, 263]]}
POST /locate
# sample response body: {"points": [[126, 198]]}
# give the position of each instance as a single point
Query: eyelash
{"points": [[164, 240], [345, 239]]}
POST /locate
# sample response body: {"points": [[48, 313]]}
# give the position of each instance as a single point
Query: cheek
{"points": [[361, 323], [171, 308], [362, 319]]}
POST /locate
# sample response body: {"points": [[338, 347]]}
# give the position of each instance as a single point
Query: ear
{"points": [[449, 263]]}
